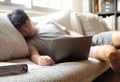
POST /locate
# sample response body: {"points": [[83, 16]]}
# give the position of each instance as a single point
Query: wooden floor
{"points": [[108, 76]]}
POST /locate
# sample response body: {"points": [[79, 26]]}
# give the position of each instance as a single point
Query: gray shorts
{"points": [[104, 38]]}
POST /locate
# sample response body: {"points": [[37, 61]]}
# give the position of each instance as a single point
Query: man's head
{"points": [[21, 22]]}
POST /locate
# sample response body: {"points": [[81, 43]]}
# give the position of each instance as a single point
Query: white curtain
{"points": [[81, 6], [86, 6]]}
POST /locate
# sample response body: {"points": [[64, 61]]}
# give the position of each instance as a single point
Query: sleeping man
{"points": [[39, 36]]}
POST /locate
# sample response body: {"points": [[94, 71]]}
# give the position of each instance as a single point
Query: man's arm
{"points": [[73, 33], [40, 60], [69, 32]]}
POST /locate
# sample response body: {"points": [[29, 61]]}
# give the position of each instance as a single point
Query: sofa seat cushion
{"points": [[79, 71]]}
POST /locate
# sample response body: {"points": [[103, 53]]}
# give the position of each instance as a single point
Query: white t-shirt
{"points": [[48, 30]]}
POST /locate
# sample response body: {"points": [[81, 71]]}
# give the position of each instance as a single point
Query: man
{"points": [[41, 34]]}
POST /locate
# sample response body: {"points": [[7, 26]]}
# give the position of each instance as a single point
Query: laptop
{"points": [[70, 49]]}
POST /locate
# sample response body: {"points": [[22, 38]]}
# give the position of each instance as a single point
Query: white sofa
{"points": [[79, 71]]}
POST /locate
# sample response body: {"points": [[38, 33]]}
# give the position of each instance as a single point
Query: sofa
{"points": [[13, 49]]}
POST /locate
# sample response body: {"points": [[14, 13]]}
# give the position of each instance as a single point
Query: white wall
{"points": [[81, 6], [86, 6], [78, 5]]}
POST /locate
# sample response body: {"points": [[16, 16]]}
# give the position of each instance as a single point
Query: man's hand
{"points": [[45, 60], [40, 60], [73, 33]]}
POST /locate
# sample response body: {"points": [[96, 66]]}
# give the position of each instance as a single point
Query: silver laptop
{"points": [[70, 49]]}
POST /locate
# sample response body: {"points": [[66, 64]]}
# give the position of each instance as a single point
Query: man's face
{"points": [[27, 30]]}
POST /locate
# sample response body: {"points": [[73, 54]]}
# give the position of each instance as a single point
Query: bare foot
{"points": [[115, 62]]}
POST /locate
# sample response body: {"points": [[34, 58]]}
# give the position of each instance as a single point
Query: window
{"points": [[54, 4], [2, 0], [67, 4], [26, 3], [41, 3]]}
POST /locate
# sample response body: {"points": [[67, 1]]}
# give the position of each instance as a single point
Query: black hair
{"points": [[18, 18]]}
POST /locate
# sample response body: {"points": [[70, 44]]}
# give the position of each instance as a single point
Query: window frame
{"points": [[8, 3], [46, 9]]}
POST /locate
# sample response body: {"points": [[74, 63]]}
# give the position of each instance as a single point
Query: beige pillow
{"points": [[68, 19], [62, 18], [12, 43], [90, 24], [104, 23], [75, 23]]}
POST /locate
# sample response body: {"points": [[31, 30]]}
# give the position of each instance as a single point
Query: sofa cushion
{"points": [[62, 17], [62, 72], [66, 18], [12, 43], [105, 24], [75, 23], [90, 24]]}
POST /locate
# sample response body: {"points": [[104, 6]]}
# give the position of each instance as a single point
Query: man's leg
{"points": [[108, 53], [116, 38], [107, 38]]}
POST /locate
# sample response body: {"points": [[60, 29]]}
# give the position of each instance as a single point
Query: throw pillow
{"points": [[62, 18], [12, 43], [90, 24], [75, 23]]}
